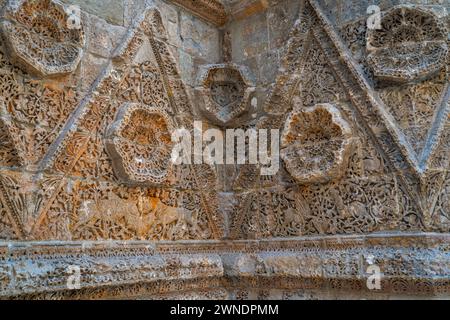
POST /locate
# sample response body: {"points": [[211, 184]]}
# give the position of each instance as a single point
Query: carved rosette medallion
{"points": [[38, 37], [315, 144], [410, 46], [227, 89], [139, 143]]}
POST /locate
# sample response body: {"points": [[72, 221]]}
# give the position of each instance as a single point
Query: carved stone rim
{"points": [[340, 155], [212, 11], [393, 9], [419, 73], [203, 88], [8, 20], [118, 125]]}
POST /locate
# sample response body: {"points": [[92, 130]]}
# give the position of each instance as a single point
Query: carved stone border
{"points": [[211, 10], [411, 263]]}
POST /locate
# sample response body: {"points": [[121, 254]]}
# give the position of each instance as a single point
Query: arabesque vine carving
{"points": [[38, 37], [86, 176], [410, 46], [139, 142]]}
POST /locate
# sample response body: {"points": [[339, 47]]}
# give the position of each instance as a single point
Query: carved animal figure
{"points": [[141, 217]]}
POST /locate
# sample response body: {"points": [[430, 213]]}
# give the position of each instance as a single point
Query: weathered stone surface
{"points": [[39, 37], [86, 177], [111, 11], [227, 90], [316, 144], [411, 46]]}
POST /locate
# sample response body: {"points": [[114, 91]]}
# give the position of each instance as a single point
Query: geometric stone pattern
{"points": [[410, 46], [38, 37]]}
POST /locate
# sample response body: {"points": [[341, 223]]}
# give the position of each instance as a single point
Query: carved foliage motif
{"points": [[38, 38], [410, 46], [315, 144], [417, 106], [139, 143], [226, 89], [125, 131]]}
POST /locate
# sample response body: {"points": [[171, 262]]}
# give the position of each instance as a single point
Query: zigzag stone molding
{"points": [[39, 270]]}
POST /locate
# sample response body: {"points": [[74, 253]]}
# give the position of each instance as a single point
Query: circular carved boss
{"points": [[39, 38], [226, 89], [411, 45], [140, 145], [315, 144]]}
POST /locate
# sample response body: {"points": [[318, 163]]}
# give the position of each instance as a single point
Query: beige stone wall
{"points": [[86, 117]]}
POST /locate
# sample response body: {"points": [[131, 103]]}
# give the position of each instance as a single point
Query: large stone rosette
{"points": [[315, 144], [410, 46]]}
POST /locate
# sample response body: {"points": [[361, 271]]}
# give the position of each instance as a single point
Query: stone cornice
{"points": [[418, 262], [211, 10]]}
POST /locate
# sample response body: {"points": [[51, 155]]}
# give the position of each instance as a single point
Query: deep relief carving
{"points": [[128, 270], [410, 46], [315, 144], [38, 38], [83, 169], [139, 142], [226, 89]]}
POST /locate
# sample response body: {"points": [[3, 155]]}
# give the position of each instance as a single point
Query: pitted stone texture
{"points": [[227, 90], [39, 39], [316, 144], [410, 46], [139, 142]]}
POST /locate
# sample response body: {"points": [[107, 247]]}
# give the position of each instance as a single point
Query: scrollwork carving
{"points": [[410, 46], [38, 37]]}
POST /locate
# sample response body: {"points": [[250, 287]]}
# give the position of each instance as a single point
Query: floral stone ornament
{"points": [[411, 45], [39, 37], [227, 89], [139, 143], [315, 144]]}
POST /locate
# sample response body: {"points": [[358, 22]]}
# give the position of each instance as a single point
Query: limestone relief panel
{"points": [[410, 46], [364, 160], [39, 37], [226, 89], [139, 142]]}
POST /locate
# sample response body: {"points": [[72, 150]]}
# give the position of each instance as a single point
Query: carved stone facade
{"points": [[86, 172]]}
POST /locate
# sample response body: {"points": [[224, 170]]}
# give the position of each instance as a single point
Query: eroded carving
{"points": [[226, 89], [140, 144], [38, 37], [315, 144], [410, 46]]}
